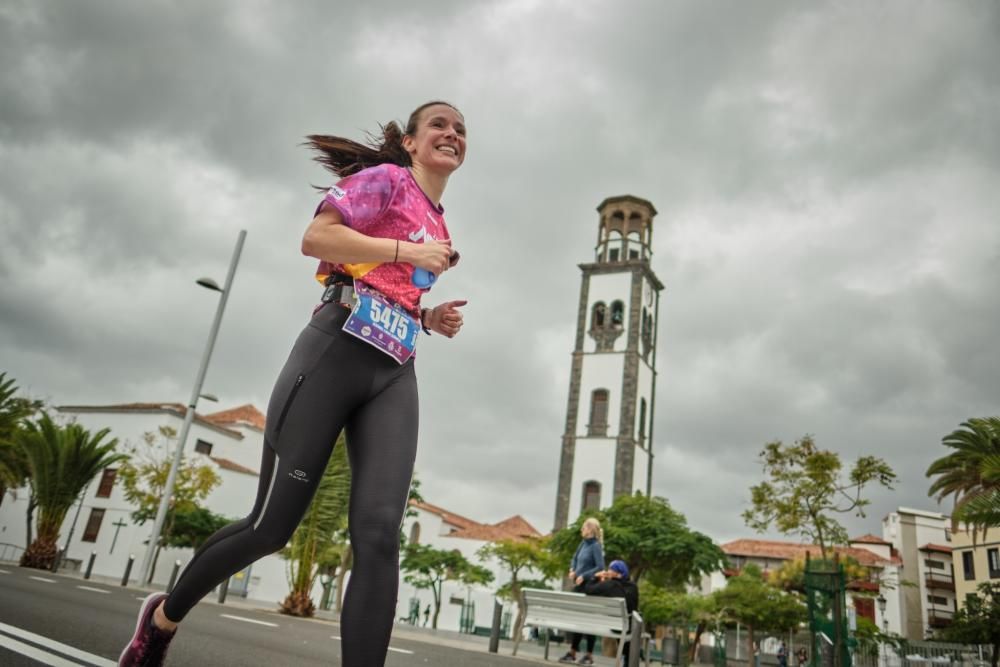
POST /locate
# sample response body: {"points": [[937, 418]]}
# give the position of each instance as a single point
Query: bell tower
{"points": [[607, 443]]}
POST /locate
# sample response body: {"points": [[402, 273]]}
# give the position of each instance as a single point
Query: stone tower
{"points": [[607, 444]]}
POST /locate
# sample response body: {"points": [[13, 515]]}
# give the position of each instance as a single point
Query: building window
{"points": [[937, 600], [591, 496], [107, 483], [993, 560], [968, 567], [642, 420], [617, 314], [203, 447], [598, 315], [415, 533], [934, 564], [93, 525], [598, 413]]}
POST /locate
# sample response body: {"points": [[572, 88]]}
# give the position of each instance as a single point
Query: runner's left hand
{"points": [[446, 319]]}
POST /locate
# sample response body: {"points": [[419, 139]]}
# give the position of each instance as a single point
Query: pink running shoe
{"points": [[149, 644]]}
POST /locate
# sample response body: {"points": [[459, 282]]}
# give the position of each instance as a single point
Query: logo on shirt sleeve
{"points": [[337, 193]]}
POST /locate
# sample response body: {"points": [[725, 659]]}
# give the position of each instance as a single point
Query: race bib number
{"points": [[382, 324]]}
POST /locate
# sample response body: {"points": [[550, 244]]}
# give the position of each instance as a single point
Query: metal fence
{"points": [[10, 553], [924, 654]]}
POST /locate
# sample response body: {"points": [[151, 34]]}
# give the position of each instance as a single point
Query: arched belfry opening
{"points": [[626, 230]]}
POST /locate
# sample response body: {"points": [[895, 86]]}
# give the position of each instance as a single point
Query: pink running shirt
{"points": [[385, 202]]}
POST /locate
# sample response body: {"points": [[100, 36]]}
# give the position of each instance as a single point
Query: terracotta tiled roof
{"points": [[178, 409], [936, 547], [870, 539], [518, 525], [449, 517], [791, 550], [243, 415], [513, 528], [226, 464]]}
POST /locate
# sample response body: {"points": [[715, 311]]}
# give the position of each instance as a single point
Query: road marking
{"points": [[48, 581], [141, 599], [44, 657], [4, 572], [335, 637], [93, 590], [249, 620], [399, 650]]}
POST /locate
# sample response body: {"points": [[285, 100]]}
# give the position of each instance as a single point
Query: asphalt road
{"points": [[58, 620]]}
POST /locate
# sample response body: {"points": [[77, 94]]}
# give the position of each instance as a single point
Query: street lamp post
{"points": [[885, 626], [145, 572]]}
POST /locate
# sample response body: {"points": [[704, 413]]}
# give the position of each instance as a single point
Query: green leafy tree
{"points": [[62, 460], [192, 526], [318, 540], [651, 537], [517, 556], [679, 609], [144, 479], [791, 574], [749, 600], [805, 489], [428, 568], [978, 622], [971, 473]]}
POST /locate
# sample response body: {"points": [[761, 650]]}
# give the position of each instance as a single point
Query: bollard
{"points": [[223, 589], [635, 641], [495, 629], [90, 565], [173, 576], [128, 569]]}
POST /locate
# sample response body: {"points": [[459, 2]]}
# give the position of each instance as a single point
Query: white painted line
{"points": [[249, 620], [48, 581], [335, 637], [52, 645], [34, 653], [399, 650], [93, 590], [4, 572], [141, 599]]}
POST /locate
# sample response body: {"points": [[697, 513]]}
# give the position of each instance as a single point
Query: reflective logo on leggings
{"points": [[299, 476]]}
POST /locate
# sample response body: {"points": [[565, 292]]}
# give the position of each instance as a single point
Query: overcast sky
{"points": [[826, 177]]}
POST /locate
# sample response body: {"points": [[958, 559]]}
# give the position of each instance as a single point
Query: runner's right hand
{"points": [[433, 255]]}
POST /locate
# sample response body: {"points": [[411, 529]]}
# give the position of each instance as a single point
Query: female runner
{"points": [[380, 236]]}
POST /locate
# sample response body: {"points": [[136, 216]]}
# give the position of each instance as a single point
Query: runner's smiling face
{"points": [[439, 141]]}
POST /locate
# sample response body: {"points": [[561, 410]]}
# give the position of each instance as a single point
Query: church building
{"points": [[607, 443]]}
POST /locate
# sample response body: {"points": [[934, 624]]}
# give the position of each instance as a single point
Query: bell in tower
{"points": [[607, 443]]}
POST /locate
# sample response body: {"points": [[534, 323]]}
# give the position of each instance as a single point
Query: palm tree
{"points": [[62, 460], [971, 473], [315, 541], [13, 414]]}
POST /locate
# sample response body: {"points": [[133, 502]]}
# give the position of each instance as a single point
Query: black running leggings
{"points": [[330, 382]]}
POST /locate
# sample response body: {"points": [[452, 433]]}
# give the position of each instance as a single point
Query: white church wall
{"points": [[600, 371], [608, 288], [594, 460]]}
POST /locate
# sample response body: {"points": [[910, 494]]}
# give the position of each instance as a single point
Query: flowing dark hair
{"points": [[344, 157]]}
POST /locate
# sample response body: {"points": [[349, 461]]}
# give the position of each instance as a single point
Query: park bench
{"points": [[585, 614]]}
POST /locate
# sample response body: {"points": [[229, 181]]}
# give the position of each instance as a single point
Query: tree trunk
{"points": [[40, 554], [345, 565], [298, 603], [694, 645], [437, 604], [752, 661]]}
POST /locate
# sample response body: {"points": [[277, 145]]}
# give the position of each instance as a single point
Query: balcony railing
{"points": [[939, 618], [938, 580]]}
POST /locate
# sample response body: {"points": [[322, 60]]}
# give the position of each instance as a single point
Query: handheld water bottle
{"points": [[422, 278]]}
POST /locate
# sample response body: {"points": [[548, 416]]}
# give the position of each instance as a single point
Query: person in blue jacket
{"points": [[587, 562]]}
